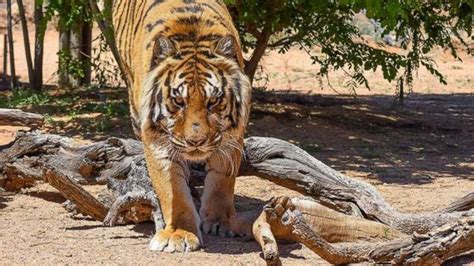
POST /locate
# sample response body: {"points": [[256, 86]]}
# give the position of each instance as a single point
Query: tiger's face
{"points": [[200, 109], [198, 98]]}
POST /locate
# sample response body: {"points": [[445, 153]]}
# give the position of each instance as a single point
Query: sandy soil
{"points": [[418, 163], [36, 229], [294, 71]]}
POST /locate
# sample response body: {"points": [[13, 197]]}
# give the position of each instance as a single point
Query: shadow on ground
{"points": [[220, 245], [368, 136], [3, 202], [50, 196], [465, 259], [431, 137]]}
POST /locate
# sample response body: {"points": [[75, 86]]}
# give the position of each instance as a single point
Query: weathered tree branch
{"points": [[287, 165], [113, 160], [70, 189], [433, 248], [15, 117], [340, 208], [464, 204], [262, 232]]}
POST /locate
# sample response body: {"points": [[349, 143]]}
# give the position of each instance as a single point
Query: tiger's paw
{"points": [[217, 228], [171, 240], [216, 217]]}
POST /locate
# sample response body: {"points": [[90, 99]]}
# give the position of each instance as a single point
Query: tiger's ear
{"points": [[227, 46], [162, 49]]}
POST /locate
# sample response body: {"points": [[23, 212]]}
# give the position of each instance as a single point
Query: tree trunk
{"points": [[26, 42], [104, 21], [86, 52], [63, 77], [10, 45], [75, 43], [401, 92], [252, 65], [283, 218], [287, 165], [5, 57], [39, 44]]}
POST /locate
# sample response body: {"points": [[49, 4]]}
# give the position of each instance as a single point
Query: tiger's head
{"points": [[196, 98]]}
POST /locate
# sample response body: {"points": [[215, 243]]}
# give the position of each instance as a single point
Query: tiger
{"points": [[189, 103]]}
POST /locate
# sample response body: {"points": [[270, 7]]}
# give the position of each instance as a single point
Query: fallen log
{"points": [[15, 117], [287, 165], [463, 204], [340, 208], [70, 189], [112, 161], [331, 226], [283, 218]]}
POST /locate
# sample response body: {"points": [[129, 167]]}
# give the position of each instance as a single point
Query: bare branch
{"points": [[432, 248], [15, 117], [316, 222]]}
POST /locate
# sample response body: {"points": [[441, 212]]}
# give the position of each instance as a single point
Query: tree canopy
{"points": [[419, 26]]}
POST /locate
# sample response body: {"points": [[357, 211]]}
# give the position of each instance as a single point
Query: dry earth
{"points": [[35, 229], [420, 158]]}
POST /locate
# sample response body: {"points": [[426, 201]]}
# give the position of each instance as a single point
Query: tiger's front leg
{"points": [[217, 201], [181, 233]]}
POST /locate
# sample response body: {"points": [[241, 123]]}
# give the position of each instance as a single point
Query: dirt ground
{"points": [[419, 157]]}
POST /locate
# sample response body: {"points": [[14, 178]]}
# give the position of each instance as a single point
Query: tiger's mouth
{"points": [[196, 153]]}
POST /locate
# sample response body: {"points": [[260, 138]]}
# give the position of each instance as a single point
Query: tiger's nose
{"points": [[196, 139]]}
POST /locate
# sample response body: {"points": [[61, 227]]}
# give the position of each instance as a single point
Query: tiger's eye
{"points": [[212, 101], [179, 101]]}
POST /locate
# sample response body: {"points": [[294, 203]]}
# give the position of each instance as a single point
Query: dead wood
{"points": [[112, 161], [15, 117], [262, 233], [340, 208], [464, 204], [72, 190], [331, 226], [285, 219], [287, 165], [338, 227], [134, 199], [19, 174]]}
